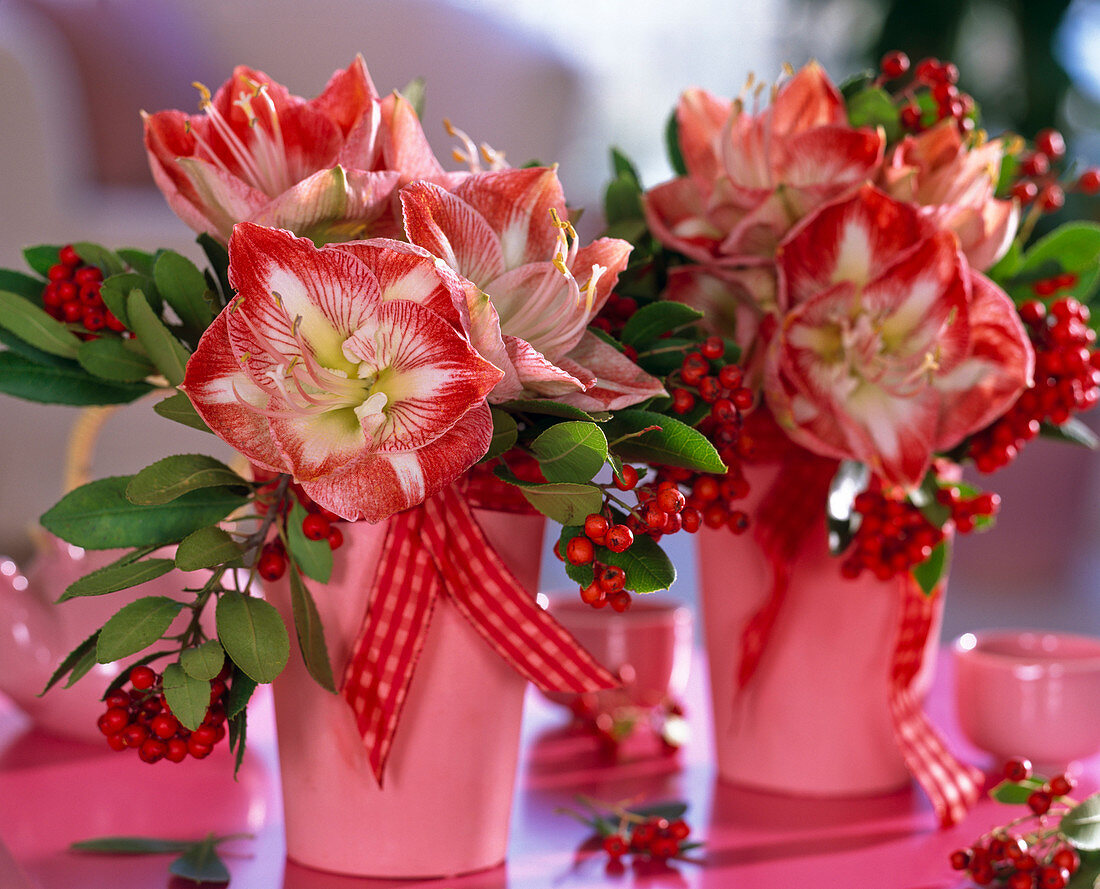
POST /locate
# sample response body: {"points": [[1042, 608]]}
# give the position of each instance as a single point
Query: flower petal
{"points": [[375, 486], [619, 381], [223, 198], [700, 116], [405, 148], [348, 97], [537, 374], [807, 100], [448, 227], [677, 215], [611, 255], [313, 446]]}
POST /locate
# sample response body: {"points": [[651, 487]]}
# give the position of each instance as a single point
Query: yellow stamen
{"points": [[204, 94]]}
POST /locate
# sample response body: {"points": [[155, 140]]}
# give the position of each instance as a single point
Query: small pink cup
{"points": [[1029, 693], [648, 646]]}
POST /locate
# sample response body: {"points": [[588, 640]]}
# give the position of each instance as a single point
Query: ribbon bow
{"points": [[439, 548]]}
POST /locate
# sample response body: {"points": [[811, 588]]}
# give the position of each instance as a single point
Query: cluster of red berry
{"points": [[1040, 177], [73, 295], [608, 581], [894, 535], [1039, 859], [616, 311], [654, 838], [141, 719], [1067, 378], [320, 524], [933, 78], [614, 726]]}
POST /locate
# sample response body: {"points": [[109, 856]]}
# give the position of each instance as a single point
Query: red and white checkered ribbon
{"points": [[439, 548], [952, 785]]}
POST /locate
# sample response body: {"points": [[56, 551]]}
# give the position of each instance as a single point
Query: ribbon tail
{"points": [[488, 595], [952, 785], [379, 672]]}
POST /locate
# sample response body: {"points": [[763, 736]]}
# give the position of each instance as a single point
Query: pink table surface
{"points": [[53, 792]]}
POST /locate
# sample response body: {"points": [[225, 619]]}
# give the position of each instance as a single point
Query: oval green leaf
{"points": [[184, 288], [114, 359], [673, 444], [566, 504], [571, 452], [313, 557], [136, 626], [505, 434], [117, 577], [23, 378], [172, 477], [649, 322], [311, 635], [32, 325], [188, 697], [253, 635], [179, 409], [165, 351], [203, 661], [1081, 824], [207, 548], [100, 516]]}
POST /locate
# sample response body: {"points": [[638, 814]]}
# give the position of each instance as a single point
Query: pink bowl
{"points": [[1029, 693]]}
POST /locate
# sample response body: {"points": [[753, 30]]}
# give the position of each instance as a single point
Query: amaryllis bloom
{"points": [[325, 168], [751, 176], [346, 366], [954, 183], [892, 347], [534, 289]]}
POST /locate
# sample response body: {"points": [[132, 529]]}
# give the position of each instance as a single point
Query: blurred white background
{"points": [[558, 82]]}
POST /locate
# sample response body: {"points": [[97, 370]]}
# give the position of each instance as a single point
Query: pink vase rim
{"points": [[1043, 649], [642, 612]]}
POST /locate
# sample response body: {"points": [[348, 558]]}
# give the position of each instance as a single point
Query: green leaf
{"points": [[201, 864], [188, 698], [82, 668], [240, 690], [131, 846], [117, 577], [672, 145], [674, 444], [115, 292], [505, 434], [850, 480], [253, 635], [857, 83], [414, 93], [1073, 247], [238, 729], [23, 285], [179, 408], [622, 167], [37, 356], [218, 257], [672, 811], [1081, 824], [571, 451], [647, 324], [170, 478], [666, 355], [159, 342], [647, 566], [1073, 431], [108, 261], [1008, 265], [203, 661], [313, 557], [41, 257], [32, 325], [99, 515], [207, 548], [566, 504], [140, 261], [114, 359], [23, 378], [622, 200], [1014, 793], [932, 570], [71, 660], [311, 635], [874, 108], [135, 626], [184, 288], [549, 408]]}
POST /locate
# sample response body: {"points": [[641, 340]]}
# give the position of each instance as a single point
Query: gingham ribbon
{"points": [[439, 548], [952, 785]]}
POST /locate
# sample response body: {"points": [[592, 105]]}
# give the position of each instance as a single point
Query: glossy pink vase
{"points": [[814, 718], [445, 805]]}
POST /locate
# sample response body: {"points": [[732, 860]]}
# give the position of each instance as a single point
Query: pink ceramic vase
{"points": [[814, 717], [446, 801]]}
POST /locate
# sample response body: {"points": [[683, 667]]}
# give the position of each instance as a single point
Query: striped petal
{"points": [[448, 227], [405, 148], [807, 100], [375, 486], [427, 371], [677, 215], [222, 198], [539, 375], [611, 255], [619, 381], [701, 116]]}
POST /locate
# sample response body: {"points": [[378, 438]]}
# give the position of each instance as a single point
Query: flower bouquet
{"points": [[403, 359], [866, 255]]}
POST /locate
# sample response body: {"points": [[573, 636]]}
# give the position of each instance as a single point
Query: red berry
{"points": [[72, 312], [197, 750], [1052, 198], [88, 274], [679, 830], [690, 519], [671, 500], [177, 750], [1066, 857], [713, 347], [894, 64], [1039, 802], [315, 526], [682, 400], [1033, 165], [579, 551], [93, 320], [592, 593], [928, 70], [1053, 877], [134, 734], [627, 480], [619, 538], [164, 726], [1020, 879], [335, 537], [620, 601], [960, 859], [1051, 143], [730, 376], [271, 565], [1089, 181], [612, 579], [114, 721], [1025, 192], [116, 742], [142, 677], [615, 846], [910, 116], [1017, 769], [153, 750], [1060, 785], [595, 526], [117, 699], [68, 255]]}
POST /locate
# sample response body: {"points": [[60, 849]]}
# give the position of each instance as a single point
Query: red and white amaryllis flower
{"points": [[955, 184], [346, 366], [891, 347], [751, 176], [325, 168], [534, 289]]}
